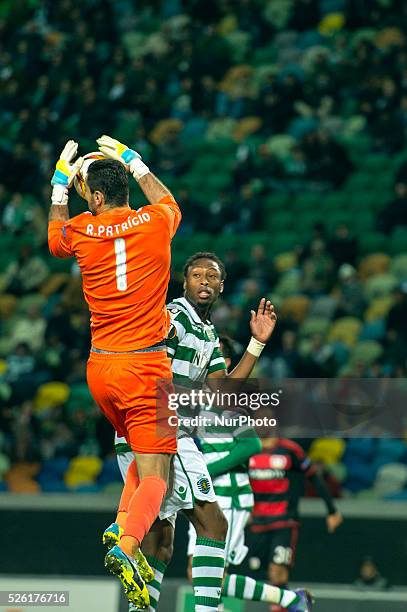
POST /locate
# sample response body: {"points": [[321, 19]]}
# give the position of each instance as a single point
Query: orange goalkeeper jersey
{"points": [[124, 257]]}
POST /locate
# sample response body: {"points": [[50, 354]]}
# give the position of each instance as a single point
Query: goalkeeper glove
{"points": [[129, 158], [65, 173]]}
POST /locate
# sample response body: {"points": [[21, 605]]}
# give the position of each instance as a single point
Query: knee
{"points": [[218, 526], [209, 521], [165, 552]]}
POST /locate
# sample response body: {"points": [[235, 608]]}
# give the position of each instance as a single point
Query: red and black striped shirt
{"points": [[277, 480]]}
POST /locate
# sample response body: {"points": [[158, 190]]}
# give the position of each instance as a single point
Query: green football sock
{"points": [[244, 587], [208, 563]]}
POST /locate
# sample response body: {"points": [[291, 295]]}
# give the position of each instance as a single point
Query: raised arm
{"points": [[62, 180], [262, 324], [152, 187]]}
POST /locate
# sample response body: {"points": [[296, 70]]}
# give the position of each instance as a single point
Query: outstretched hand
{"points": [[263, 322], [110, 147], [66, 169]]}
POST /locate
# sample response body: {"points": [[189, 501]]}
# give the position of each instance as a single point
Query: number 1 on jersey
{"points": [[121, 265]]}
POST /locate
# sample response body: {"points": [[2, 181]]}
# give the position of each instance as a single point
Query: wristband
{"points": [[59, 196], [255, 347], [138, 168]]}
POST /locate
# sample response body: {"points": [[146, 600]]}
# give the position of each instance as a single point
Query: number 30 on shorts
{"points": [[282, 555], [121, 265]]}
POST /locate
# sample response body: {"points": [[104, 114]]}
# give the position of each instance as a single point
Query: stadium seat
{"points": [[4, 465], [327, 450], [375, 263], [340, 352], [278, 203], [277, 221], [50, 395], [338, 217], [295, 307], [288, 284], [306, 219], [378, 308], [362, 221], [281, 145], [306, 203], [324, 307], [345, 330], [360, 182], [20, 478], [366, 352], [54, 283], [8, 306], [283, 242], [245, 127], [373, 330], [53, 470], [314, 325], [380, 285], [27, 301], [285, 262], [389, 451], [372, 242], [110, 472], [391, 478], [82, 471], [331, 201]]}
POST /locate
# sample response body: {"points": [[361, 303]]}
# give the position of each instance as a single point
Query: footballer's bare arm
{"points": [[58, 212], [153, 188]]}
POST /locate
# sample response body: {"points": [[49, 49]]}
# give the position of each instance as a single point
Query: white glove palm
{"points": [[64, 171], [121, 152]]}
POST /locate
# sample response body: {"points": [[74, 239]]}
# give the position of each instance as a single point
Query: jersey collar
{"points": [[191, 310]]}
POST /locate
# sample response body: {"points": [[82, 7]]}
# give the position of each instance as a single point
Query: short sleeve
{"points": [[60, 238], [177, 331], [217, 361], [301, 462], [169, 210]]}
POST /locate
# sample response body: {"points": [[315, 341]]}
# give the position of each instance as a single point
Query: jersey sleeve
{"points": [[170, 212], [217, 361], [177, 331], [301, 462], [241, 452], [60, 238]]}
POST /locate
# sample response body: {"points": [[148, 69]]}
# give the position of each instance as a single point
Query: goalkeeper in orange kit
{"points": [[124, 258]]}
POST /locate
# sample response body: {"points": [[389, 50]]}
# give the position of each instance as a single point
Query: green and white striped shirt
{"points": [[233, 488], [194, 350]]}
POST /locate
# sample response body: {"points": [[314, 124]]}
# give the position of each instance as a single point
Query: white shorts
{"points": [[191, 479], [235, 548]]}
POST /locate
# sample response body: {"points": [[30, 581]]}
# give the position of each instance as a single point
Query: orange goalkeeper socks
{"points": [[130, 486], [143, 509]]}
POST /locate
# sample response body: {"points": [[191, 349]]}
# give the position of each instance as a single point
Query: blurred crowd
{"points": [[231, 104]]}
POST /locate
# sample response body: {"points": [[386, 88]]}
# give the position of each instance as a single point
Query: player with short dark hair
{"points": [[124, 257], [205, 255], [110, 177]]}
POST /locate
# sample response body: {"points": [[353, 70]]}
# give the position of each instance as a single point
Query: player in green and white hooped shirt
{"points": [[227, 460], [195, 355]]}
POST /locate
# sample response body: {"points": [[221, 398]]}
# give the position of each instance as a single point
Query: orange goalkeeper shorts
{"points": [[125, 388]]}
